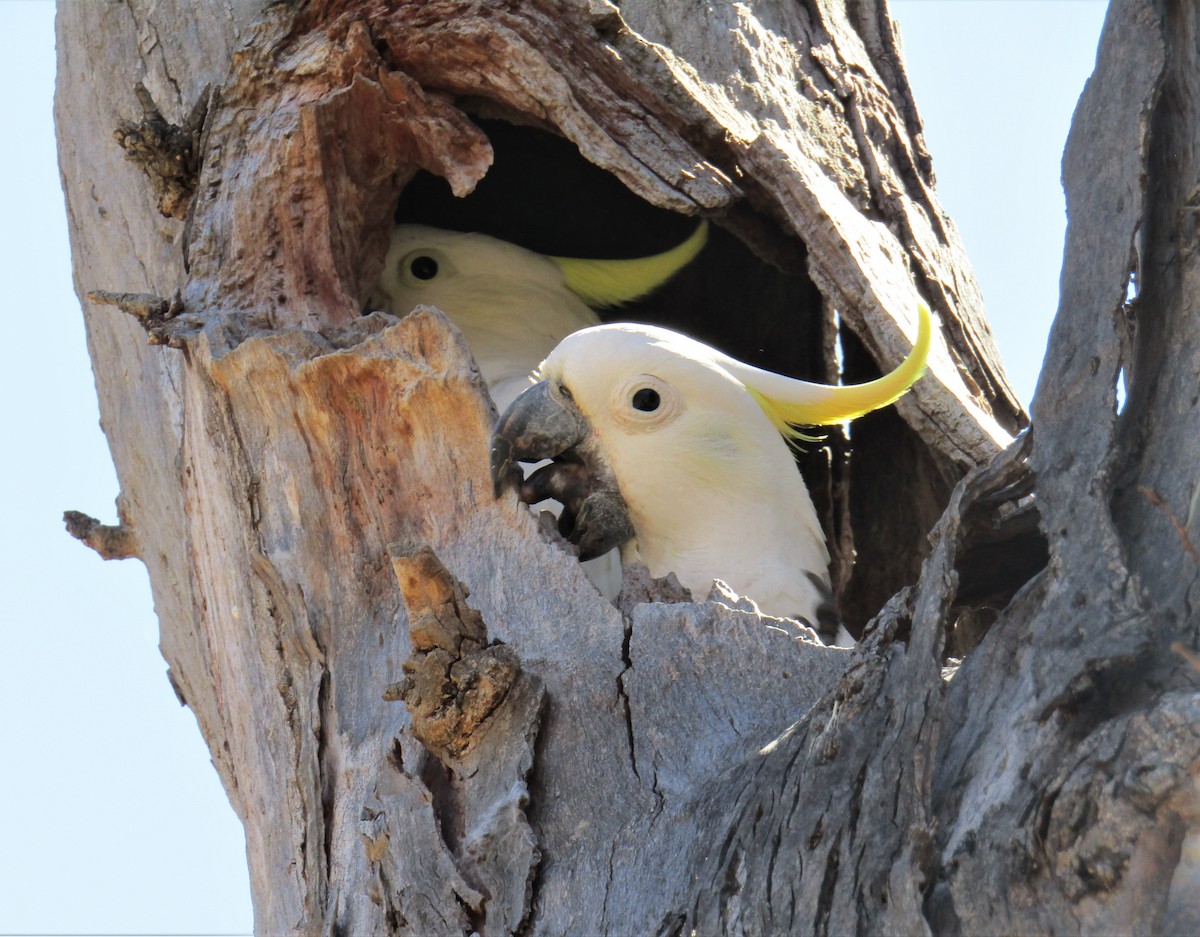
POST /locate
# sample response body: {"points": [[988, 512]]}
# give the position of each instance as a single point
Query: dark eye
{"points": [[566, 391], [646, 400], [423, 267]]}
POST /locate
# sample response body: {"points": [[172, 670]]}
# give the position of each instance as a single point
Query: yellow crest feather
{"points": [[825, 406], [601, 283]]}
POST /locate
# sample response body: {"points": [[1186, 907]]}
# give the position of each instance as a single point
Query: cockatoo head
{"points": [[454, 270], [432, 266], [513, 305], [660, 438], [638, 419]]}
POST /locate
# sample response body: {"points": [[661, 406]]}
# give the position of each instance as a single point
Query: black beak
{"points": [[542, 424], [537, 425]]}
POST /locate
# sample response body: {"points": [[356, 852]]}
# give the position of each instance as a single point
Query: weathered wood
{"points": [[1073, 695], [169, 154], [570, 766], [477, 716], [111, 541], [830, 829]]}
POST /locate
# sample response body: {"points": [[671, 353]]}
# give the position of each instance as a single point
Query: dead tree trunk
{"points": [[308, 486]]}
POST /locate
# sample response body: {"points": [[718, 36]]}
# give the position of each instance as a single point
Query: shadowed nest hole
{"points": [[884, 482]]}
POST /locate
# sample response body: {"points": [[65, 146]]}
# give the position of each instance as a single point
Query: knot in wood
{"points": [[168, 154], [454, 680]]}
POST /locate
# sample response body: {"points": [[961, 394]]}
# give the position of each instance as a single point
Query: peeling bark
{"points": [[477, 716]]}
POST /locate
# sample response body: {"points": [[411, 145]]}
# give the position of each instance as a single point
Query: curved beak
{"points": [[537, 425], [541, 424]]}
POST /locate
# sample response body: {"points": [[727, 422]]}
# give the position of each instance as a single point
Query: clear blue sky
{"points": [[114, 819]]}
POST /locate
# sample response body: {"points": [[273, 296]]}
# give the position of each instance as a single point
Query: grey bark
{"points": [[423, 714]]}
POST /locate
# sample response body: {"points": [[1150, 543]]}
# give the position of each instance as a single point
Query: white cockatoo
{"points": [[679, 455], [513, 305]]}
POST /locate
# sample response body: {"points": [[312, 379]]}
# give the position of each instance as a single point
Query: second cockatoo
{"points": [[679, 455], [514, 305]]}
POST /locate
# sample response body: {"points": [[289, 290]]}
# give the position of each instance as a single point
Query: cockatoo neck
{"points": [[510, 332], [707, 511]]}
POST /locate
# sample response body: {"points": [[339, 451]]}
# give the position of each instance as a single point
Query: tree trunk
{"points": [[425, 717]]}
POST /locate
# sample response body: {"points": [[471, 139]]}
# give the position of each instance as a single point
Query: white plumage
{"points": [[712, 489]]}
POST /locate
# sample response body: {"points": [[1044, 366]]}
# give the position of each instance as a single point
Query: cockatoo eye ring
{"points": [[419, 268], [645, 402], [423, 267], [646, 399]]}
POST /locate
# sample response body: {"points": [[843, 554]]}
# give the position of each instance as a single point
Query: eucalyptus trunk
{"points": [[426, 718]]}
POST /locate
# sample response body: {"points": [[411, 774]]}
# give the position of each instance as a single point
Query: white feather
{"points": [[512, 305]]}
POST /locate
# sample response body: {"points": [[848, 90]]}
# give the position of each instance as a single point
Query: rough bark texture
{"points": [[308, 487]]}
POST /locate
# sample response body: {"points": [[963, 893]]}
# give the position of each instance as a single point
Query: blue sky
{"points": [[114, 819]]}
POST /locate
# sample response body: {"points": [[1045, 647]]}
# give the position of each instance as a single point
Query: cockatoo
{"points": [[514, 305], [679, 455]]}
